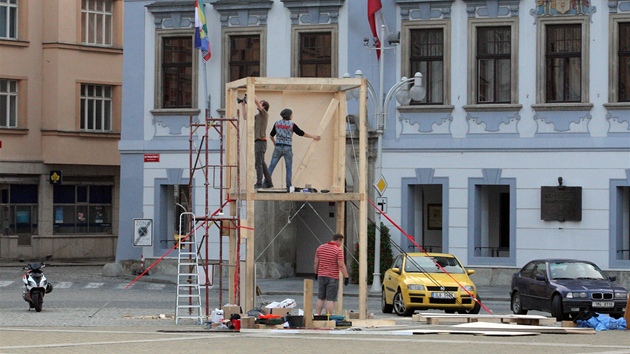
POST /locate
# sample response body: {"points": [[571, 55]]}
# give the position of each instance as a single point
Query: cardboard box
{"points": [[324, 324], [282, 312], [228, 310], [248, 322]]}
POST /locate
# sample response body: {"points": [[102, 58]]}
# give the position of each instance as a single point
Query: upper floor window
{"points": [[96, 108], [8, 19], [493, 64], [427, 57], [624, 62], [563, 63], [177, 72], [97, 22], [314, 51], [244, 58], [315, 54], [8, 103]]}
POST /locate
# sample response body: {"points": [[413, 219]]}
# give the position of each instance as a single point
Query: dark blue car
{"points": [[566, 287]]}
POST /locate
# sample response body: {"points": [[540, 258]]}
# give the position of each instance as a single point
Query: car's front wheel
{"points": [[399, 305], [517, 305], [385, 307], [556, 308]]}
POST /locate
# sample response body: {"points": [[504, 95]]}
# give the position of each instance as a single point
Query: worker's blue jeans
{"points": [[285, 151]]}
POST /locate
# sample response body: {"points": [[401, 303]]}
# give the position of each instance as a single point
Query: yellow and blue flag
{"points": [[201, 32]]}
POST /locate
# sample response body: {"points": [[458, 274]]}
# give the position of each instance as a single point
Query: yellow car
{"points": [[419, 281]]}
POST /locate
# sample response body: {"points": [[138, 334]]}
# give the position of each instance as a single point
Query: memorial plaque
{"points": [[561, 203]]}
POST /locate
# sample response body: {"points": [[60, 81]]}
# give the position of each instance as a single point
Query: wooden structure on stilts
{"points": [[324, 101]]}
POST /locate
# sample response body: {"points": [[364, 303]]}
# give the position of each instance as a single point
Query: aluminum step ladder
{"points": [[188, 289]]}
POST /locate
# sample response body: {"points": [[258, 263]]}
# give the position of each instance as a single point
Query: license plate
{"points": [[442, 295], [603, 304]]}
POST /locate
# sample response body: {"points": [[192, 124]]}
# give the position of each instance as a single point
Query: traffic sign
{"points": [[142, 232], [380, 185]]}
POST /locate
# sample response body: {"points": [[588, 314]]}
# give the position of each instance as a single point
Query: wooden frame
{"points": [[434, 216], [331, 126]]}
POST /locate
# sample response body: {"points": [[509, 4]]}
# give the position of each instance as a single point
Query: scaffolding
{"points": [[226, 177]]}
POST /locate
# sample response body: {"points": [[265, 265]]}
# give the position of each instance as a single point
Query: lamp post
{"points": [[403, 95]]}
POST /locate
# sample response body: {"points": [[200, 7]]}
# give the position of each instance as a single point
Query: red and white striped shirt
{"points": [[329, 254]]}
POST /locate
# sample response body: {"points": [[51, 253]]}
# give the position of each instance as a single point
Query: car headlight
{"points": [[415, 287], [469, 288], [621, 295], [577, 295]]}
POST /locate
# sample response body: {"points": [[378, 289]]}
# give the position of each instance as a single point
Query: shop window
{"points": [[80, 209]]}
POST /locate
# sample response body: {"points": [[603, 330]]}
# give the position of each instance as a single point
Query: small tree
{"points": [[386, 254]]}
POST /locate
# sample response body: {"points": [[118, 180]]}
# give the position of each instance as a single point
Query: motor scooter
{"points": [[36, 284]]}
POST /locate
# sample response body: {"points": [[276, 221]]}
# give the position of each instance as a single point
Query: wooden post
{"points": [[308, 303]]}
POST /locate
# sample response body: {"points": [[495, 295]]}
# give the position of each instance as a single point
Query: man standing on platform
{"points": [[329, 261], [260, 142]]}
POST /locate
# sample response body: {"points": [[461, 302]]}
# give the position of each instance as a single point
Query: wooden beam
{"points": [[330, 111], [308, 303]]}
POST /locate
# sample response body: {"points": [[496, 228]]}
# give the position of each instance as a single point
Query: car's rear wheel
{"points": [[385, 307], [556, 308], [517, 305], [399, 305]]}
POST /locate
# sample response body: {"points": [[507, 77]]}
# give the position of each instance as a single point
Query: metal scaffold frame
{"points": [[215, 176]]}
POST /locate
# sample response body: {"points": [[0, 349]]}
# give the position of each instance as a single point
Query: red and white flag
{"points": [[375, 18]]}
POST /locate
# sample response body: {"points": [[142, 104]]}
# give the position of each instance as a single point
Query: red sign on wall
{"points": [[151, 157]]}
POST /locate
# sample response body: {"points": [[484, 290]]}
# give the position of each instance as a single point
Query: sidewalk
{"points": [[295, 287]]}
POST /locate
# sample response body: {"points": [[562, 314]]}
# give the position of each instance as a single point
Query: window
{"points": [[493, 65], [493, 57], [624, 62], [492, 219], [177, 72], [428, 54], [8, 103], [563, 63], [82, 209], [244, 56], [314, 51], [562, 74], [96, 108], [315, 54], [18, 209], [8, 19], [96, 22]]}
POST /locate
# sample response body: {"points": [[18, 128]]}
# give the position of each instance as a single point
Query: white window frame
{"points": [[9, 91], [296, 31], [473, 75], [613, 82], [541, 39], [102, 116], [10, 5], [90, 22], [405, 37]]}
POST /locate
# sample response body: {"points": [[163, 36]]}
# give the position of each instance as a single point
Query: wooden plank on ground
{"points": [[485, 326], [373, 322], [437, 318], [476, 333]]}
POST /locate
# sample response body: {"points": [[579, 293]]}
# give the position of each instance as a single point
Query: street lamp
{"points": [[403, 95]]}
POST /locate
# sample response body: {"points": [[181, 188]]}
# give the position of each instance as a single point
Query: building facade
{"points": [[520, 148], [60, 121]]}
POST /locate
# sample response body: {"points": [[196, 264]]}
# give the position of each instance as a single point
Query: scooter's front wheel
{"points": [[38, 300]]}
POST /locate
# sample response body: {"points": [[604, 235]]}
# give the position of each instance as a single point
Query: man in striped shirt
{"points": [[329, 262]]}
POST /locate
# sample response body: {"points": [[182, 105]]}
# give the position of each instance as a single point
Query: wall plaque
{"points": [[561, 203]]}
